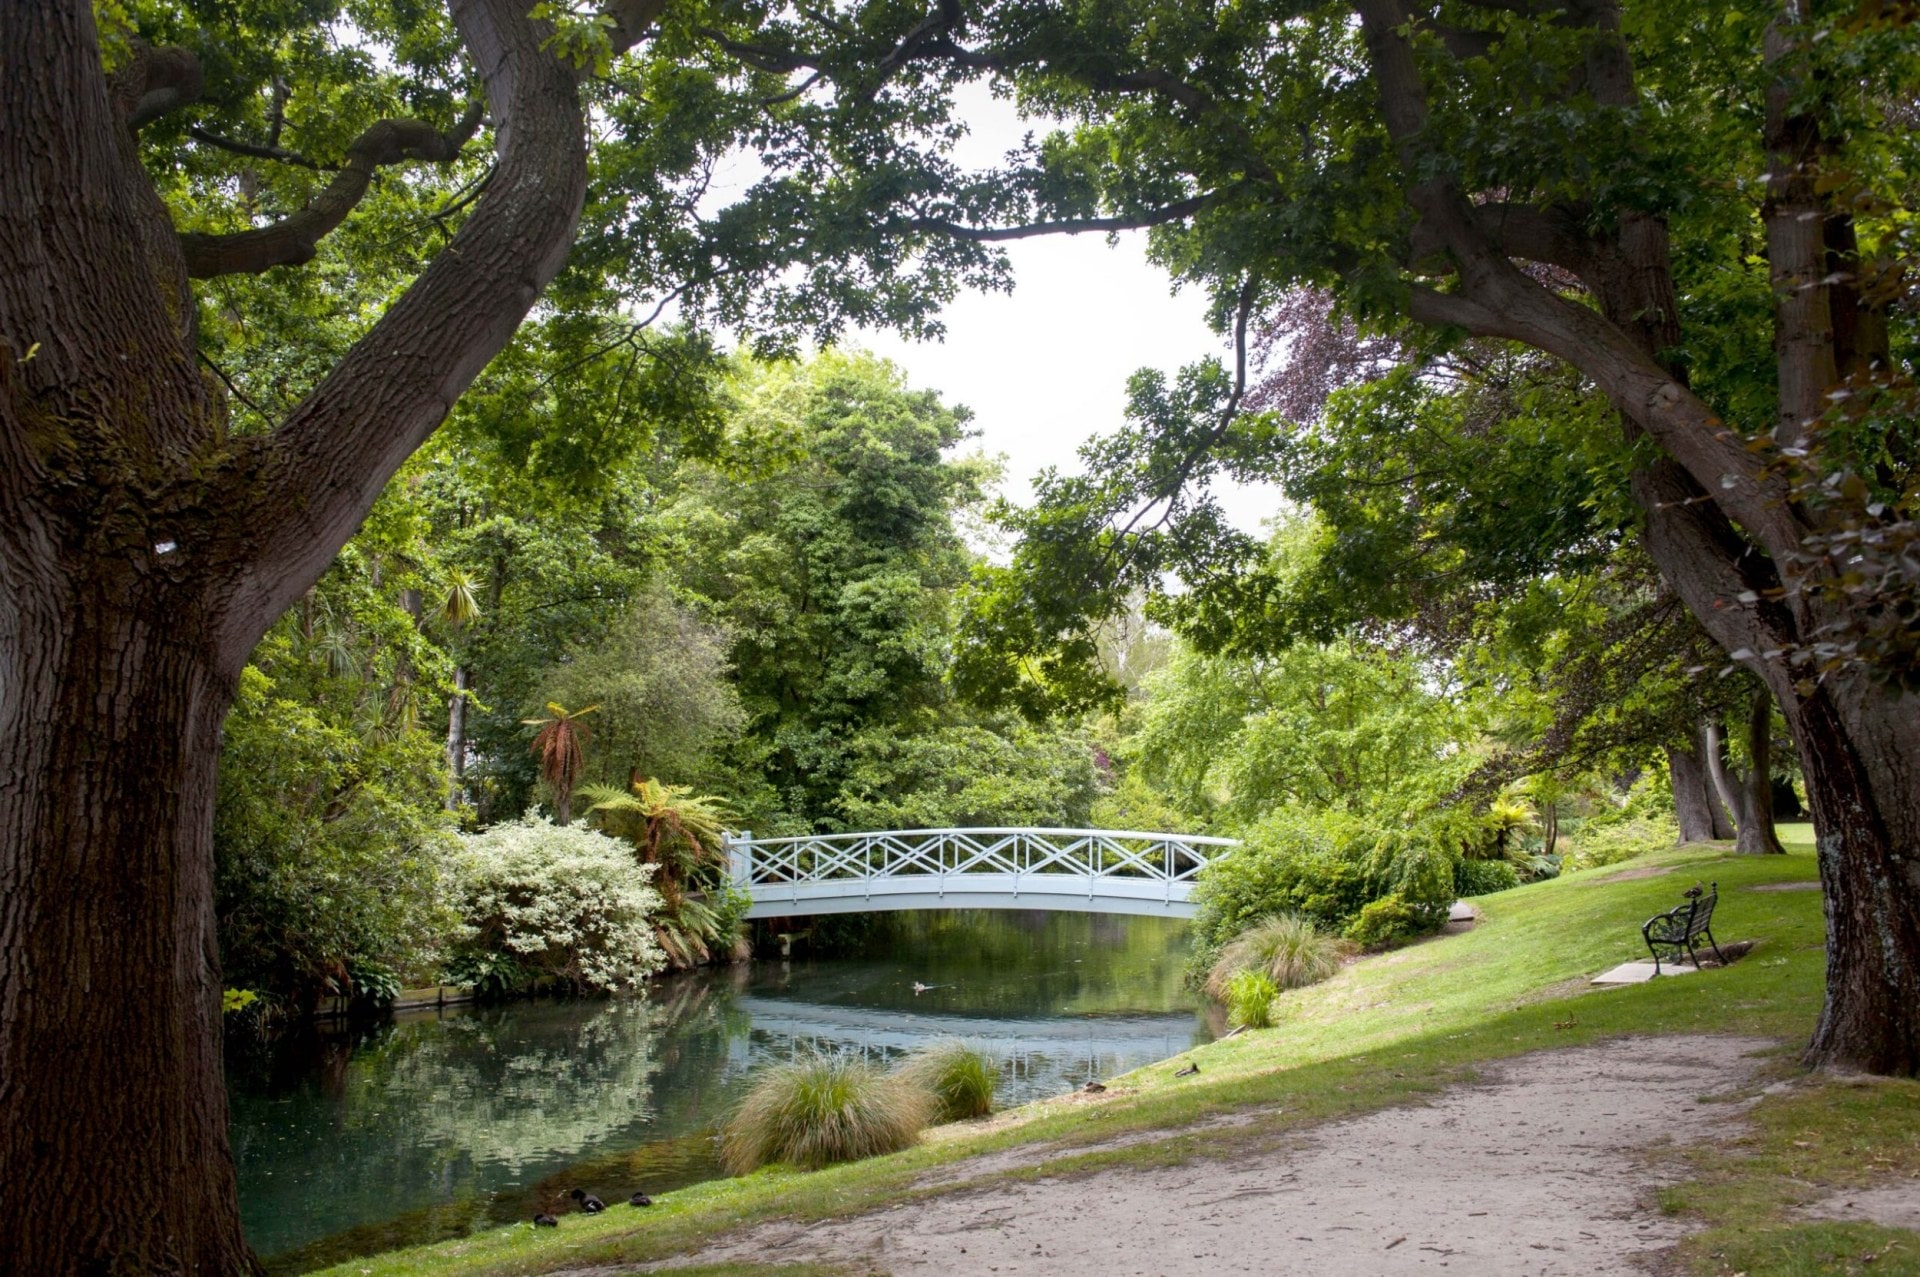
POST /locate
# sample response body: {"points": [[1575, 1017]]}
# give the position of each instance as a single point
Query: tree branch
{"points": [[154, 83], [1067, 226], [256, 151], [1496, 300], [296, 495], [633, 21], [1722, 579], [294, 239]]}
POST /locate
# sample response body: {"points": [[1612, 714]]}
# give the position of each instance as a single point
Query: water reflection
{"points": [[436, 1125]]}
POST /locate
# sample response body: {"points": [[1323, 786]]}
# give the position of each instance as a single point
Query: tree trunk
{"points": [[457, 738], [144, 549], [1864, 751], [113, 1112], [1695, 805], [1748, 792], [1756, 835]]}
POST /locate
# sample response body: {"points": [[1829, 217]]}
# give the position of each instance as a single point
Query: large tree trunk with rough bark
{"points": [[110, 1050], [143, 552], [1862, 752]]}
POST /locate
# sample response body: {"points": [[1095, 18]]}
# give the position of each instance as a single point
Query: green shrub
{"points": [[1484, 877], [1289, 949], [373, 985], [563, 905], [1250, 996], [959, 1079], [1316, 866], [815, 1112], [1390, 920], [1611, 843]]}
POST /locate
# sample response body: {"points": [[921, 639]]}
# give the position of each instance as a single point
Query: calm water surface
{"points": [[436, 1125]]}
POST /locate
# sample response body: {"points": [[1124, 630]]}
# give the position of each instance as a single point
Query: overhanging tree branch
{"points": [[294, 239], [298, 494], [257, 151], [1174, 212], [1496, 300]]}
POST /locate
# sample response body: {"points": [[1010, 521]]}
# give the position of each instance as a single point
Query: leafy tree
{"points": [[659, 678], [824, 542], [328, 829], [1341, 726], [327, 842], [949, 775]]}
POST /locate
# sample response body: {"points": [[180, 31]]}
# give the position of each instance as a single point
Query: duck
{"points": [[544, 1220], [639, 1199], [588, 1202], [1189, 1071], [1094, 1088]]}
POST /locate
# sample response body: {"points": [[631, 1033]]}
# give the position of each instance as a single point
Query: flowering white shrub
{"points": [[564, 905]]}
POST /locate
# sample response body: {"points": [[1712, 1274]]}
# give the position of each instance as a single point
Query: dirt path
{"points": [[1532, 1171]]}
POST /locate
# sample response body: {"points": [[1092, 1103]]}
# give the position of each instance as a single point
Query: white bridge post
{"points": [[739, 849]]}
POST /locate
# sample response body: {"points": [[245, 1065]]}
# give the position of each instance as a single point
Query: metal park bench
{"points": [[1680, 928]]}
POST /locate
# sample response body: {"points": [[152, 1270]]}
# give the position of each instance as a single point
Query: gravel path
{"points": [[1533, 1170]]}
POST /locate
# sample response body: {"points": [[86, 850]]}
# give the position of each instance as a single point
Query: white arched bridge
{"points": [[1087, 870]]}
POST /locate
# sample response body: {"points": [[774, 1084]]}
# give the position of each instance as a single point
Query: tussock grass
{"points": [[959, 1079], [1250, 996], [1289, 949], [815, 1112]]}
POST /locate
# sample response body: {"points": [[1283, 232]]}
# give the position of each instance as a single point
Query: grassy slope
{"points": [[1388, 1030]]}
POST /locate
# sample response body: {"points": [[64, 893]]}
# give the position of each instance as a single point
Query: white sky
{"points": [[1045, 368]]}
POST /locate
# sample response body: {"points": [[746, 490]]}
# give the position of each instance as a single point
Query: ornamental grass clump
{"points": [[1287, 948], [1250, 996], [959, 1080], [815, 1112]]}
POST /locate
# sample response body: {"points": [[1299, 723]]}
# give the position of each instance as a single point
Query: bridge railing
{"points": [[943, 855]]}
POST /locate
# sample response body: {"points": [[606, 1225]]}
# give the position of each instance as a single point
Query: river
{"points": [[441, 1123]]}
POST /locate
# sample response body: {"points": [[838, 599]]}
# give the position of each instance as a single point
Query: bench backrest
{"points": [[1702, 912], [1686, 922]]}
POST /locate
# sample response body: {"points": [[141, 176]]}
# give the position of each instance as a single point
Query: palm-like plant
{"points": [[561, 747], [1509, 817], [461, 605], [683, 835]]}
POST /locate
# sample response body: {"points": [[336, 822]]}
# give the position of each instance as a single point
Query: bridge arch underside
{"points": [[1076, 893]]}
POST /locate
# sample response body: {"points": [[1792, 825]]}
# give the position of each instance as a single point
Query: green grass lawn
{"points": [[1388, 1030]]}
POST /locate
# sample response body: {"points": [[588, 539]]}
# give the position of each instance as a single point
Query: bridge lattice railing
{"points": [[949, 853]]}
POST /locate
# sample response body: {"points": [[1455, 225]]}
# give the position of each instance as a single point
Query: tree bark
{"points": [[457, 738], [1696, 807], [1862, 750], [1749, 792], [110, 1068], [143, 552]]}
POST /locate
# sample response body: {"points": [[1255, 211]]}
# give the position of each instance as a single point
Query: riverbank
{"points": [[1403, 1027], [437, 1124]]}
